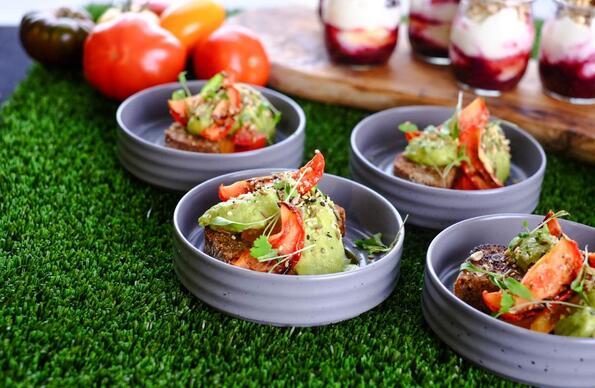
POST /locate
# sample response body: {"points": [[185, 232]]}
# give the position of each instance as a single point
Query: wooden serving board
{"points": [[300, 66]]}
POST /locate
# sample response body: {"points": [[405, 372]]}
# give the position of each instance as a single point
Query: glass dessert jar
{"points": [[567, 58], [360, 32], [429, 29], [491, 43]]}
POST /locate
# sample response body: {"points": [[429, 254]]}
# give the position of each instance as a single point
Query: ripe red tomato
{"points": [[236, 50], [129, 54]]}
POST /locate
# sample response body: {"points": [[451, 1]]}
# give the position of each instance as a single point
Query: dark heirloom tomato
{"points": [[55, 38]]}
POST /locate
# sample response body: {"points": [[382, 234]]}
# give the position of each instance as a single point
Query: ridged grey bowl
{"points": [[143, 118], [376, 141], [289, 300], [510, 351]]}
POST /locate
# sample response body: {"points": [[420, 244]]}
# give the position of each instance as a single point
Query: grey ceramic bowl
{"points": [[144, 117], [376, 141], [510, 351], [289, 300]]}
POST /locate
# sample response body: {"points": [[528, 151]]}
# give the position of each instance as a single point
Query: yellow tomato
{"points": [[192, 21]]}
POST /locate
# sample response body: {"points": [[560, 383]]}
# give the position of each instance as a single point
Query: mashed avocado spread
{"points": [[432, 149], [326, 253], [322, 231], [248, 211], [528, 247], [581, 323]]}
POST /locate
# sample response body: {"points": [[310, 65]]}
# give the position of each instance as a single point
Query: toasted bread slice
{"points": [[177, 137], [469, 286], [228, 246], [425, 175]]}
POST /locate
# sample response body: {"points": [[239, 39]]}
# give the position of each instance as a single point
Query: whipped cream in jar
{"points": [[360, 32], [567, 55], [491, 43]]}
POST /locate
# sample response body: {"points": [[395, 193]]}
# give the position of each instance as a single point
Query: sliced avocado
{"points": [[258, 111], [179, 94], [201, 119], [211, 87], [248, 211], [494, 152], [432, 149], [327, 254]]}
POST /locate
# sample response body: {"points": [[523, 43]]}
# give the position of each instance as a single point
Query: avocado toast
{"points": [[280, 223], [467, 152], [224, 117], [541, 281]]}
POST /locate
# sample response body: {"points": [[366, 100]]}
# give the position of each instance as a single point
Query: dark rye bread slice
{"points": [[228, 246], [470, 285], [429, 176], [177, 137]]}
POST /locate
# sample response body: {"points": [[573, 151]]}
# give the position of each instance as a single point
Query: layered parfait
{"points": [[429, 29], [360, 32], [567, 60], [491, 44]]}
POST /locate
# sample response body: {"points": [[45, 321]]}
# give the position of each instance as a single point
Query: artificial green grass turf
{"points": [[89, 293]]}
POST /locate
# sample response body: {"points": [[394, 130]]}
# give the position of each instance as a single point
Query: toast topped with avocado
{"points": [[541, 281], [280, 223], [467, 152], [224, 117]]}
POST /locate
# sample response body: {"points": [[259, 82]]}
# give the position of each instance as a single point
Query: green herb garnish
{"points": [[262, 250], [509, 286], [372, 244], [408, 126]]}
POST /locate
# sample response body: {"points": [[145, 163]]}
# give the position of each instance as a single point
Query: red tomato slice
{"points": [[245, 260], [215, 132], [474, 117], [177, 110], [234, 190], [553, 225], [291, 236], [235, 99], [247, 140], [412, 135], [592, 259], [547, 279], [310, 173], [463, 182]]}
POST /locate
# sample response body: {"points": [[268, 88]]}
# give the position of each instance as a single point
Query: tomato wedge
{"points": [[553, 225], [247, 261], [247, 140], [215, 132], [474, 115], [592, 259], [545, 321], [472, 119], [463, 182], [546, 279], [234, 190], [177, 110], [412, 135], [291, 236], [310, 173]]}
